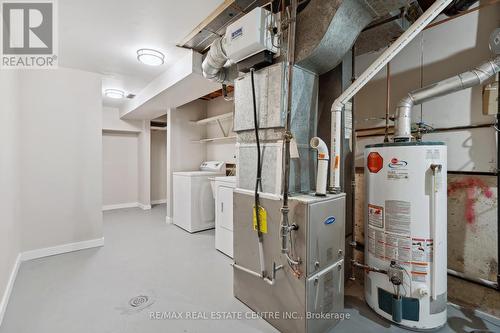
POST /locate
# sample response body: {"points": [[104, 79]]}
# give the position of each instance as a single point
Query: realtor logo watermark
{"points": [[29, 34]]}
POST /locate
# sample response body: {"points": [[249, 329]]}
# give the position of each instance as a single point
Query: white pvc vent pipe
{"points": [[437, 7], [323, 158]]}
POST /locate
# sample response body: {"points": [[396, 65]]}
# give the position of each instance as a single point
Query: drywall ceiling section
{"points": [[104, 36], [180, 84]]}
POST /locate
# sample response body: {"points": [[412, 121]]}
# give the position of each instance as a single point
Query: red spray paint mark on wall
{"points": [[470, 185]]}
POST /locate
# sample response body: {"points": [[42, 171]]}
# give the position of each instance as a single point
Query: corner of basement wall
{"points": [[10, 231], [60, 158], [144, 185]]}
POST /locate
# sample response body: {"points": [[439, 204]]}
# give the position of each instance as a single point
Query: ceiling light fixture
{"points": [[114, 93], [150, 57]]}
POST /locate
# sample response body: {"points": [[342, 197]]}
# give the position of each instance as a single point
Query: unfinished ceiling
{"points": [[216, 23], [390, 18]]}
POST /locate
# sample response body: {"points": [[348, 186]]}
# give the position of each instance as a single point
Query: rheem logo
{"points": [[28, 34]]}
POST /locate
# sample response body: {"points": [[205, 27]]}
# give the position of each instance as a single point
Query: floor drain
{"points": [[136, 304], [139, 301]]}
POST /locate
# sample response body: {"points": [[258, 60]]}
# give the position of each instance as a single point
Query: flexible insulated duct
{"points": [[458, 82], [213, 66]]}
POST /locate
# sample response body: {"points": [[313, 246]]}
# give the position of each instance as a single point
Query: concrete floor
{"points": [[89, 291]]}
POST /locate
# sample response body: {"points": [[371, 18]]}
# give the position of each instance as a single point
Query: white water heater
{"points": [[405, 232]]}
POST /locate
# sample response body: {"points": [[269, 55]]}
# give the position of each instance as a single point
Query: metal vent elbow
{"points": [[403, 119], [455, 83]]}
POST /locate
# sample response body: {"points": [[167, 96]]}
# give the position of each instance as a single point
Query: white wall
{"points": [[60, 157], [182, 153], [50, 166], [111, 121], [220, 150], [9, 181], [158, 166], [136, 186], [120, 168], [144, 154], [437, 53]]}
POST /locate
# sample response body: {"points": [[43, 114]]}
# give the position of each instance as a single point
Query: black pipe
{"points": [[454, 8], [458, 6], [472, 173], [378, 23], [259, 165]]}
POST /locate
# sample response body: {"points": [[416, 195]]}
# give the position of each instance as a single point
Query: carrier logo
{"points": [[397, 164], [330, 220]]}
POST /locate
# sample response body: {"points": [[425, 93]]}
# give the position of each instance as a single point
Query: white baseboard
{"points": [[133, 205], [169, 220], [8, 288], [60, 249], [143, 206], [120, 206], [159, 202], [40, 253]]}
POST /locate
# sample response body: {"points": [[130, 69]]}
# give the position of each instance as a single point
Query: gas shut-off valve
{"points": [[395, 274]]}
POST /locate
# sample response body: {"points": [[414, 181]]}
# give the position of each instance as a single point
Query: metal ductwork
{"points": [[456, 83], [326, 29]]}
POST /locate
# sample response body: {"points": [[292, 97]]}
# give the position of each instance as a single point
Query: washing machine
{"points": [[193, 200]]}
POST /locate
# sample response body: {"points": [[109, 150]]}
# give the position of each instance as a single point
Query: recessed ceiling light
{"points": [[150, 57], [114, 93]]}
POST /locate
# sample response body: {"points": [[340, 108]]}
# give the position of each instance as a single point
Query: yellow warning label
{"points": [[262, 220], [337, 162]]}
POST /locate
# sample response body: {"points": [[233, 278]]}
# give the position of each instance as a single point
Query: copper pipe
{"points": [[387, 102], [353, 173], [367, 268]]}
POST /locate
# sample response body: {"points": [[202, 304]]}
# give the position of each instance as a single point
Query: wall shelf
{"points": [[215, 139], [214, 119], [120, 131], [217, 120]]}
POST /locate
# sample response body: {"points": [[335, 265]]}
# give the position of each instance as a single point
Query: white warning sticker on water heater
{"points": [[398, 248], [422, 250], [389, 246], [376, 216], [397, 216], [421, 258], [376, 242]]}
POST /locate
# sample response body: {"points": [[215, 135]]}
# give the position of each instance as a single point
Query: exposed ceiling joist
{"points": [[203, 24]]}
